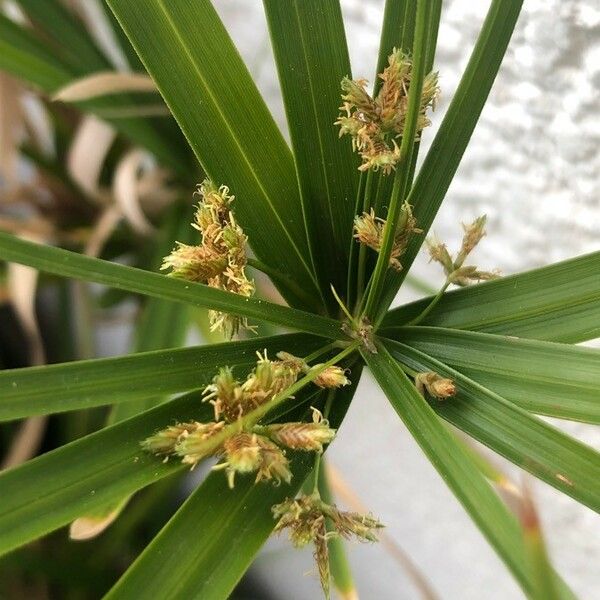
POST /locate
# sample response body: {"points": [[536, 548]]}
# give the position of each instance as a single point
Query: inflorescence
{"points": [[235, 436], [309, 519], [375, 124], [220, 259], [369, 229], [455, 269]]}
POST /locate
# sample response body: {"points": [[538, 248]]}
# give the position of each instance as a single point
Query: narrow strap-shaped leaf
{"points": [[201, 76], [455, 131], [558, 380], [204, 550], [86, 475], [312, 58], [70, 264], [454, 465], [68, 36], [559, 303], [88, 383], [527, 441], [25, 56]]}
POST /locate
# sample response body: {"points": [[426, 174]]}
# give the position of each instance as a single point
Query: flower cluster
{"points": [[456, 271], [220, 259], [368, 230], [244, 445], [376, 123], [309, 519], [436, 386]]}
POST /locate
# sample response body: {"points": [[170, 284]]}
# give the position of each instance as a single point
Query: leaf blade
{"points": [[134, 377], [557, 380], [454, 465], [559, 303], [312, 58], [70, 264], [546, 452]]}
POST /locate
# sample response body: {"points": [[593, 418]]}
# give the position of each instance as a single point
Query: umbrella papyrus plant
{"points": [[335, 219]]}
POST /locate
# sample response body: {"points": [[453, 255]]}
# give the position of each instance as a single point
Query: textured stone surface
{"points": [[532, 166]]}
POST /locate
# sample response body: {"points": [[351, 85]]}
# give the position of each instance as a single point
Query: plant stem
{"points": [[362, 251], [326, 409], [406, 150], [350, 281], [430, 306], [319, 352]]}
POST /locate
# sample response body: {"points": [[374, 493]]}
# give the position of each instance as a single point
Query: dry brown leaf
{"points": [[11, 128], [90, 526], [21, 286], [125, 191], [103, 84], [87, 153]]}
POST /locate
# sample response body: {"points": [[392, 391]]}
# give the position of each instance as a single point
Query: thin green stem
{"points": [[315, 474], [362, 251], [378, 204], [430, 306], [406, 150], [319, 352], [353, 252]]}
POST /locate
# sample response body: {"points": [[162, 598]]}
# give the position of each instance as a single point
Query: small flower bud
{"points": [[194, 263], [164, 441], [473, 235], [242, 455], [331, 377], [437, 386], [439, 253], [302, 436], [191, 445], [273, 465]]}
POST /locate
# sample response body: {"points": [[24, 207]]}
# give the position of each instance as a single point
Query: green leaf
{"points": [[211, 541], [398, 31], [450, 142], [87, 475], [455, 466], [559, 303], [522, 438], [200, 74], [88, 383], [557, 380], [26, 57], [312, 58], [67, 35], [70, 264]]}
